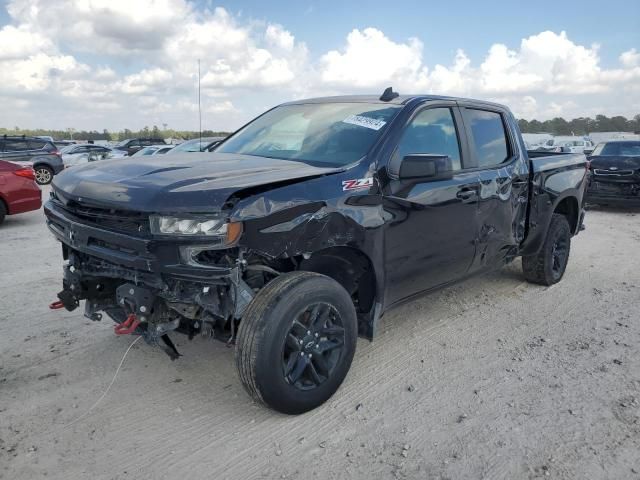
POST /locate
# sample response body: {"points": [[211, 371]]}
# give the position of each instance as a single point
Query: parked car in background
{"points": [[63, 143], [83, 153], [615, 173], [19, 192], [568, 144], [132, 145], [577, 146], [42, 155], [153, 150], [205, 144]]}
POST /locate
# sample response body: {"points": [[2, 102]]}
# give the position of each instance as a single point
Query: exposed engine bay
{"points": [[153, 305]]}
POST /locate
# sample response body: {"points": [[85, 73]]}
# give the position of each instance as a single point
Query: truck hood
{"points": [[190, 182]]}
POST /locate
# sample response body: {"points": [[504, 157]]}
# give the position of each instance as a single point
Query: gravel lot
{"points": [[492, 378]]}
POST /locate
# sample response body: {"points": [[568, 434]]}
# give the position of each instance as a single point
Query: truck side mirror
{"points": [[425, 166]]}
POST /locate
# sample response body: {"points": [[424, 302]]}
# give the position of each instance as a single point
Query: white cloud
{"points": [[19, 42], [117, 27], [370, 59], [139, 64], [546, 65], [279, 37], [630, 58]]}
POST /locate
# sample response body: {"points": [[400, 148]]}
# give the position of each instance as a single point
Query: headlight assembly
{"points": [[225, 233]]}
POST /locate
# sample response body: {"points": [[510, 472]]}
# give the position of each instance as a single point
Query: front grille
{"points": [[109, 219], [613, 173]]}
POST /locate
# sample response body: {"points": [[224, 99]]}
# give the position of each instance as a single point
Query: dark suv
{"points": [[132, 145], [40, 153]]}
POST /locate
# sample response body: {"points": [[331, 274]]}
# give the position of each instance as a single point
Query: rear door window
{"points": [[36, 144], [489, 136]]}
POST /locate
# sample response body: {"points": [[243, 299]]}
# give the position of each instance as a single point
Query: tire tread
{"points": [[534, 266]]}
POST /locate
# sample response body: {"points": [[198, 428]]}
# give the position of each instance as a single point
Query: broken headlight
{"points": [[196, 226]]}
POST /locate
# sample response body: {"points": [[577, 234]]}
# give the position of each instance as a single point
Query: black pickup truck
{"points": [[302, 228]]}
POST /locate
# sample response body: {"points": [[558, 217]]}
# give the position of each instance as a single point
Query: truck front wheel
{"points": [[548, 265], [296, 342]]}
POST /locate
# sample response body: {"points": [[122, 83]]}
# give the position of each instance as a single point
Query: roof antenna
{"points": [[389, 95], [199, 111]]}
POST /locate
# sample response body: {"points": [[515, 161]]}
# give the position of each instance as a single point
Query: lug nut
{"points": [[310, 355], [301, 342], [301, 354], [317, 345], [131, 291], [143, 309], [316, 335], [308, 332]]}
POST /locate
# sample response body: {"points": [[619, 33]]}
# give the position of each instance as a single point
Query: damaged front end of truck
{"points": [[154, 274], [121, 264]]}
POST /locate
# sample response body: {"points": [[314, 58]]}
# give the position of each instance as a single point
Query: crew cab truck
{"points": [[307, 224]]}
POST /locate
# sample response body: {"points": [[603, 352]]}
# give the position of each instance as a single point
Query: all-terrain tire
{"points": [[265, 332], [549, 264], [3, 211]]}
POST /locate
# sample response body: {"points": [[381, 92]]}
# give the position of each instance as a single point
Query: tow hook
{"points": [[66, 299], [128, 326]]}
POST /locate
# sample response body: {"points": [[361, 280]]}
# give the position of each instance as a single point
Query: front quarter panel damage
{"points": [[292, 223]]}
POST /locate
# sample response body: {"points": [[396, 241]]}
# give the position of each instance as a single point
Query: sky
{"points": [[115, 64]]}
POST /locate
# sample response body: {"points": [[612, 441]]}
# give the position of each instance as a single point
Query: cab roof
{"points": [[399, 100]]}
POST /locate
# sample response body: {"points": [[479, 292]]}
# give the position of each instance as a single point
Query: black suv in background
{"points": [[38, 152], [132, 145]]}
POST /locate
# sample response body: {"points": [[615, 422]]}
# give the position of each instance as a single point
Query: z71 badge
{"points": [[357, 184]]}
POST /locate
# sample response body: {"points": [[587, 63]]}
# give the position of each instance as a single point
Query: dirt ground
{"points": [[492, 378]]}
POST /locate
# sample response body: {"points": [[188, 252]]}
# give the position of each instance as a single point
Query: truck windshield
{"points": [[323, 134]]}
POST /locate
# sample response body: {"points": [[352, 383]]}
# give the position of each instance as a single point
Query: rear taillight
{"points": [[25, 173]]}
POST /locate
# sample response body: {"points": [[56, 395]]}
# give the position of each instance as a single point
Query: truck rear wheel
{"points": [[548, 265], [296, 342]]}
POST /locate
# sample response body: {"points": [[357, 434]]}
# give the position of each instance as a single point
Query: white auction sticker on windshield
{"points": [[365, 122]]}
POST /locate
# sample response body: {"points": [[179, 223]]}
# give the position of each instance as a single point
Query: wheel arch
{"points": [[355, 271], [543, 207], [5, 204], [568, 206]]}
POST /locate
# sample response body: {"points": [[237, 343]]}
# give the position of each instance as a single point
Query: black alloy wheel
{"points": [[296, 341], [313, 346], [548, 265]]}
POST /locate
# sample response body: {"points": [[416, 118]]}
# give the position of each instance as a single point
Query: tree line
{"points": [[555, 126], [581, 125], [146, 132]]}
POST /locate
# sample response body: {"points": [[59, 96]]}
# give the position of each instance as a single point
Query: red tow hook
{"points": [[56, 305], [128, 326]]}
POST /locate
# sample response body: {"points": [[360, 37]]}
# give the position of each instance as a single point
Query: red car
{"points": [[19, 192]]}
